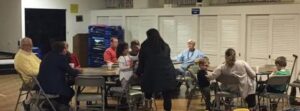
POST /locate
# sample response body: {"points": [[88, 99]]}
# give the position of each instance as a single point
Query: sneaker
{"points": [[26, 106]]}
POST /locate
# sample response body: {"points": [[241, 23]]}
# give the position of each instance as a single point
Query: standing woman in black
{"points": [[156, 69]]}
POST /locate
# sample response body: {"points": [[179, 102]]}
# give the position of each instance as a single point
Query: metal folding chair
{"points": [[41, 97], [193, 69], [276, 80], [90, 81], [219, 93], [133, 95], [25, 90]]}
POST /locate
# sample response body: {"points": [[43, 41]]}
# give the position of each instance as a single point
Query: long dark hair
{"points": [[121, 47], [156, 41]]}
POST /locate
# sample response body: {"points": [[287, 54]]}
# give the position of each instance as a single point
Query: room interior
{"points": [[259, 31]]}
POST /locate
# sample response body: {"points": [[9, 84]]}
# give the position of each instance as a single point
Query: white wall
{"points": [[10, 28], [72, 27]]}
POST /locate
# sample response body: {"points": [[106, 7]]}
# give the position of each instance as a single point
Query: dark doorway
{"points": [[45, 26]]}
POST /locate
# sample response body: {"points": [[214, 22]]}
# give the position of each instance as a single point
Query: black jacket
{"points": [[52, 74], [202, 79], [156, 69]]}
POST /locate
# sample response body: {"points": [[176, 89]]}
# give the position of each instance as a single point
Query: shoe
{"points": [[123, 106], [208, 109], [26, 106]]}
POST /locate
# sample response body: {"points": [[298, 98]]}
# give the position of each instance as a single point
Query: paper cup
{"points": [[109, 66], [72, 65]]}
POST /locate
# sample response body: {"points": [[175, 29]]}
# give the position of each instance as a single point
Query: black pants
{"points": [[251, 100], [167, 96], [293, 95], [66, 98], [205, 91]]}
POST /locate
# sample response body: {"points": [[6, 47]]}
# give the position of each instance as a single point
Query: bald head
{"points": [[26, 44]]}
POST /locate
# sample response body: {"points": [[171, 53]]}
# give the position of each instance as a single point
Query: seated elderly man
{"points": [[27, 64], [188, 57]]}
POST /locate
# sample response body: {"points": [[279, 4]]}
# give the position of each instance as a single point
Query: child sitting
{"points": [[280, 63], [203, 81], [125, 64]]}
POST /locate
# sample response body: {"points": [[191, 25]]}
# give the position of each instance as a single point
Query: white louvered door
{"points": [[177, 30], [230, 34], [186, 29], [284, 33], [168, 31], [103, 20], [145, 23], [136, 27], [132, 29], [115, 21], [258, 40], [111, 21], [209, 40], [272, 36]]}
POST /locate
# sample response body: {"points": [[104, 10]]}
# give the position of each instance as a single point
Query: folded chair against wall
{"points": [[90, 81], [276, 97]]}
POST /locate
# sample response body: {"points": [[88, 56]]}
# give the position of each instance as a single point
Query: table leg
{"points": [[106, 94]]}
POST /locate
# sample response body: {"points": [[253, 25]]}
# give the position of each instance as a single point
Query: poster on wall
{"points": [[74, 8]]}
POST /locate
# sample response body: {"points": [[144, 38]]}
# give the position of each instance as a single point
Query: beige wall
{"points": [[10, 28], [147, 16]]}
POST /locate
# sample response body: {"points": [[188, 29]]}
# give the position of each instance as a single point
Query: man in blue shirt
{"points": [[188, 56]]}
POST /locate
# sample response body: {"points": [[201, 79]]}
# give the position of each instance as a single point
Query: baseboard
{"points": [[7, 69], [7, 53], [7, 72]]}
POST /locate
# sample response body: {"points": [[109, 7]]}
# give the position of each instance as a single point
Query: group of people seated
{"points": [[238, 69], [51, 71], [151, 63]]}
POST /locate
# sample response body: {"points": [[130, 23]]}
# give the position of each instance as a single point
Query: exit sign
{"points": [[195, 11]]}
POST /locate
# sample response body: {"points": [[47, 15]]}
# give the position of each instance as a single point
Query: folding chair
{"points": [[41, 97], [193, 69], [24, 90], [276, 80], [219, 93], [133, 96], [90, 81]]}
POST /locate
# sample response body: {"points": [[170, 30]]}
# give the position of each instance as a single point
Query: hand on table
{"points": [[79, 69]]}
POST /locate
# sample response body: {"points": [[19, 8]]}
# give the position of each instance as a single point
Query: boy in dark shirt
{"points": [[203, 82]]}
